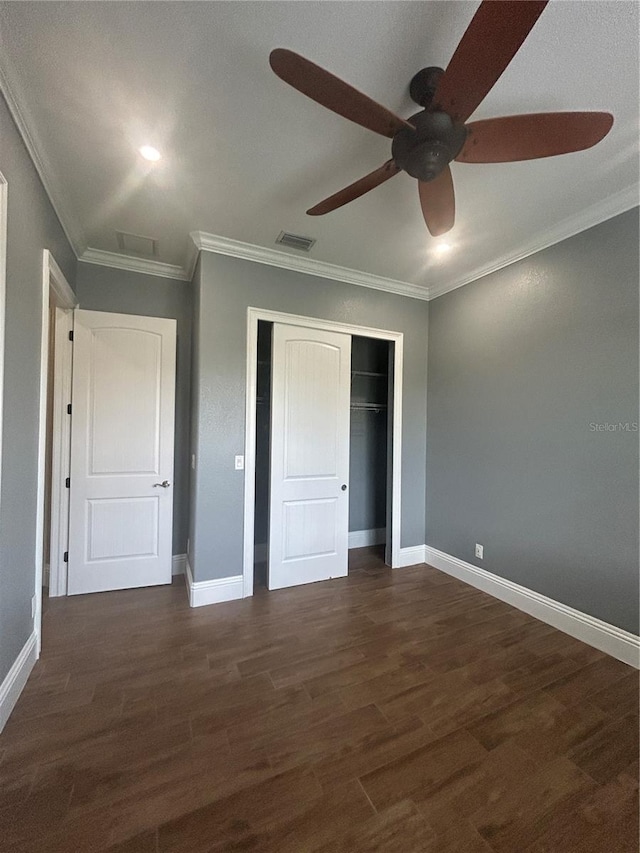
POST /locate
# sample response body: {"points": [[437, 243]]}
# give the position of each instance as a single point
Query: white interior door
{"points": [[122, 432], [309, 505]]}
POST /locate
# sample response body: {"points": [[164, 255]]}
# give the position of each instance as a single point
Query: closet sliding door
{"points": [[309, 506]]}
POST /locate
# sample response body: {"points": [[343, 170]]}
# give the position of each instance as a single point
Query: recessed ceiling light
{"points": [[150, 153], [443, 248]]}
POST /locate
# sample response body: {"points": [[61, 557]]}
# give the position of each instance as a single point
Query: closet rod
{"points": [[368, 407]]}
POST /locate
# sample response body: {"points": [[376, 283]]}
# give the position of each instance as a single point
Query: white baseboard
{"points": [[178, 564], [212, 592], [608, 638], [412, 556], [365, 538], [16, 678]]}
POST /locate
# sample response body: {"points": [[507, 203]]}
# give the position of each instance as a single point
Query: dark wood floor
{"points": [[388, 711]]}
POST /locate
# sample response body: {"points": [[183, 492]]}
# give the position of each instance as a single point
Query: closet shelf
{"points": [[366, 373], [368, 407]]}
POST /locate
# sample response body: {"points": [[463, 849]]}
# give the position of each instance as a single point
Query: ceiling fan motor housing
{"points": [[436, 141]]}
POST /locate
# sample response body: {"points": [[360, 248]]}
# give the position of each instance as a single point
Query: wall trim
{"points": [[147, 266], [365, 538], [601, 211], [16, 678], [202, 593], [58, 283], [68, 223], [412, 556], [178, 564], [60, 452], [309, 266], [610, 639]]}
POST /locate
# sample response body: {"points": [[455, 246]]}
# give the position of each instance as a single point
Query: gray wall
{"points": [[521, 364], [226, 287], [106, 289], [32, 227]]}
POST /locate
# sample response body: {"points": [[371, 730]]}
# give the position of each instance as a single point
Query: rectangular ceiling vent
{"points": [[135, 244], [295, 241]]}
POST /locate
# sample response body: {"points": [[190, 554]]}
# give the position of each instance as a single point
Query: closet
{"points": [[263, 427], [369, 419], [368, 441]]}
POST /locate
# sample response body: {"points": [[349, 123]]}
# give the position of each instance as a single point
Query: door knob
{"points": [[344, 487], [164, 484]]}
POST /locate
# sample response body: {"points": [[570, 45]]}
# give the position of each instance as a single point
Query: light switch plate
{"points": [[239, 463]]}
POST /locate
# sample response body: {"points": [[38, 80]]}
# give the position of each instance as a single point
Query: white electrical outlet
{"points": [[480, 551], [239, 463]]}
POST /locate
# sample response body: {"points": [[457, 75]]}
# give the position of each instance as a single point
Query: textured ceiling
{"points": [[245, 155]]}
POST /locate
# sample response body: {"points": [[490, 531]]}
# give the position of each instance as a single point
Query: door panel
{"points": [[125, 367], [309, 509], [121, 451], [310, 528]]}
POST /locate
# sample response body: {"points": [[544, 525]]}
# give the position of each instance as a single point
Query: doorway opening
{"points": [[263, 444], [107, 439], [374, 436], [369, 463]]}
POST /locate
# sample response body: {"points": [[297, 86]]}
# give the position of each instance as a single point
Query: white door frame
{"points": [[253, 316], [60, 452], [53, 281]]}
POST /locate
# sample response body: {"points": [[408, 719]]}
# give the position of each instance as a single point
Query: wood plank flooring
{"points": [[386, 712]]}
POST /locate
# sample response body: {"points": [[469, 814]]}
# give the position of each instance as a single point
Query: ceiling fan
{"points": [[425, 144]]}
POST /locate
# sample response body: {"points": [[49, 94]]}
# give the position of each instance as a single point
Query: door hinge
{"points": [[69, 408], [71, 335], [67, 483], [66, 557]]}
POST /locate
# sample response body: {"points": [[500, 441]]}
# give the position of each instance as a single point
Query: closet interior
{"points": [[369, 450]]}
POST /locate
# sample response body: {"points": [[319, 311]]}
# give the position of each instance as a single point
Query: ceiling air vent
{"points": [[295, 241], [135, 244]]}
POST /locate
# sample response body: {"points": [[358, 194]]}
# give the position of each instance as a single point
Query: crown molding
{"points": [[193, 253], [68, 223], [201, 241], [309, 266], [605, 209], [126, 262]]}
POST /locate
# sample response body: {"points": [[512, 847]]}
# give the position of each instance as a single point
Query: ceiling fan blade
{"points": [[353, 191], [492, 39], [333, 93], [438, 203], [530, 137]]}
